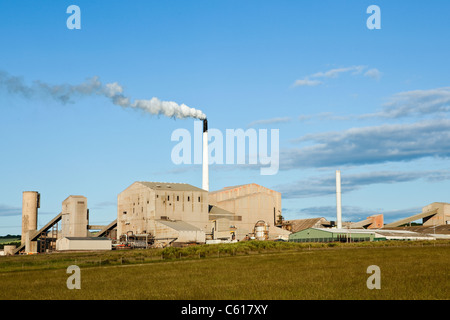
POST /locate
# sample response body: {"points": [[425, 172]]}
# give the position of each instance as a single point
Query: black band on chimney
{"points": [[205, 125]]}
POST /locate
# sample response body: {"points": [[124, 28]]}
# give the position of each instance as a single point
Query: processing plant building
{"points": [[162, 212], [178, 213]]}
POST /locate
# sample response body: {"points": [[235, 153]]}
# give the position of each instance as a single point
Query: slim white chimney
{"points": [[205, 179], [338, 200]]}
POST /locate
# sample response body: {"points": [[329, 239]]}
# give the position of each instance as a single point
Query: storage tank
{"points": [[30, 205], [261, 230]]}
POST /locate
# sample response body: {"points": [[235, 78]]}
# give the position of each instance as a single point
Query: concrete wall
{"points": [[67, 244], [9, 250], [377, 221], [188, 206], [221, 228], [442, 216], [74, 221], [139, 206], [135, 208], [253, 202]]}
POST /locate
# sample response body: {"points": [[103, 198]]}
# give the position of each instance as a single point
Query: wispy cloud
{"points": [[353, 213], [311, 80], [306, 83], [415, 103], [104, 204], [269, 121], [369, 145], [6, 211], [326, 185], [373, 73], [334, 73]]}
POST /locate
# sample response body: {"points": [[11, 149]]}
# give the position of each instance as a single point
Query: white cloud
{"points": [[306, 82], [415, 103], [373, 73], [369, 145], [334, 73], [326, 185], [269, 121]]}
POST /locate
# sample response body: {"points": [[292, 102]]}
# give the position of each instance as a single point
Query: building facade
{"points": [[251, 204], [143, 207]]}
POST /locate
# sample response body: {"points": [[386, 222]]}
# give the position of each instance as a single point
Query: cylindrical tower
{"points": [[205, 178], [30, 205], [338, 200]]}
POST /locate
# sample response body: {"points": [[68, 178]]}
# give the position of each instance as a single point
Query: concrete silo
{"points": [[30, 205]]}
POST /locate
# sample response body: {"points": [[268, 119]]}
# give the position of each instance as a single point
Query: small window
{"points": [[189, 199], [124, 212], [178, 198], [198, 199], [168, 198]]}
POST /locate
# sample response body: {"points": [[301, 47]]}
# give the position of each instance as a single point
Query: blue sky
{"points": [[373, 103]]}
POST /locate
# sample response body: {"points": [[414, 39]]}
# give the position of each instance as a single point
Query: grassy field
{"points": [[250, 271], [9, 240]]}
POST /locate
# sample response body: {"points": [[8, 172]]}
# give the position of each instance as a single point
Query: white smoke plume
{"points": [[66, 93]]}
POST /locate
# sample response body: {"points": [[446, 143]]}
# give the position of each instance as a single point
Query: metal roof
{"points": [[302, 224], [170, 186], [179, 225], [379, 232]]}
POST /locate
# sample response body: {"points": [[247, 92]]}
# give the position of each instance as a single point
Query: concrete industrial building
{"points": [[75, 217], [144, 209], [250, 204], [178, 213]]}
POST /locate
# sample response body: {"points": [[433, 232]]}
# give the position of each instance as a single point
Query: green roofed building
{"points": [[354, 235]]}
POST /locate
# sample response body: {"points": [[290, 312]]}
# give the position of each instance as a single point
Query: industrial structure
{"points": [[434, 214], [161, 214], [157, 214], [354, 235], [178, 213], [250, 204]]}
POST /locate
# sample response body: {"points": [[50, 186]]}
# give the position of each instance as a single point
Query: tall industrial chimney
{"points": [[205, 179], [338, 200]]}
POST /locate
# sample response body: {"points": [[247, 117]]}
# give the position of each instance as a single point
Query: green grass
{"points": [[9, 240], [248, 270]]}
